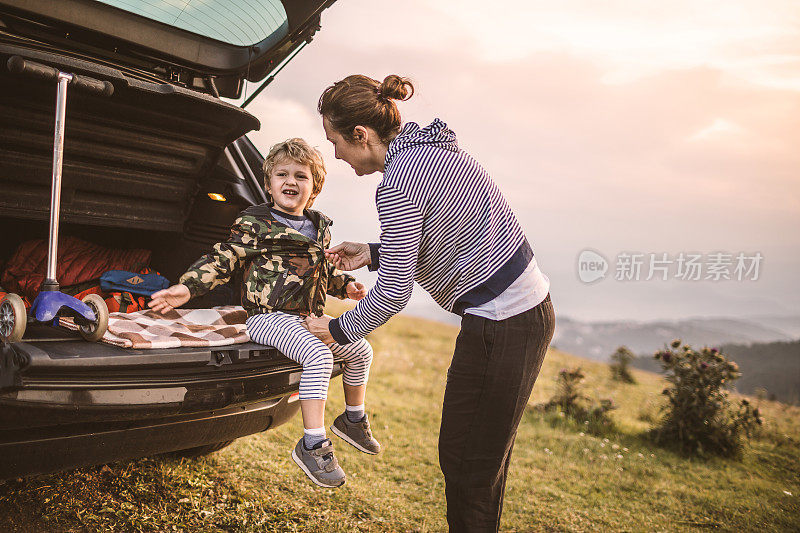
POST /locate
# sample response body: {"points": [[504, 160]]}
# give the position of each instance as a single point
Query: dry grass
{"points": [[561, 478]]}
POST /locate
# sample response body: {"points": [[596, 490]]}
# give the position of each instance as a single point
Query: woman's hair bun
{"points": [[396, 87], [359, 100]]}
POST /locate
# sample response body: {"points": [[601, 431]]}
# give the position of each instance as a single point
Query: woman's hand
{"points": [[170, 298], [356, 290], [349, 255], [318, 326]]}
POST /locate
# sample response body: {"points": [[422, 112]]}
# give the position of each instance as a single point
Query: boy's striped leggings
{"points": [[286, 333]]}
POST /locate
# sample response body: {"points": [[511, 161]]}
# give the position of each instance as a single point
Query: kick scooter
{"points": [[91, 313]]}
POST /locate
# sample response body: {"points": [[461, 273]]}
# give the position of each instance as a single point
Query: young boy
{"points": [[279, 247]]}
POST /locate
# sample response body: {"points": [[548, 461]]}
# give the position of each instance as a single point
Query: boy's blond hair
{"points": [[301, 152]]}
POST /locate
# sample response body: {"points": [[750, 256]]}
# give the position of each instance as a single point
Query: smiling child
{"points": [[279, 247]]}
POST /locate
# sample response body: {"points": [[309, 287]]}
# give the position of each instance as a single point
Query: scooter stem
{"points": [[50, 283]]}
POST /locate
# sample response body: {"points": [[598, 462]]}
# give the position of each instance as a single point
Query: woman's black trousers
{"points": [[489, 382]]}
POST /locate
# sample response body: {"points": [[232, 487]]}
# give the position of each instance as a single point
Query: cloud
{"points": [[631, 41], [691, 153], [719, 129], [283, 118]]}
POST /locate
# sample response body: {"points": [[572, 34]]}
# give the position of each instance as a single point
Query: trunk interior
{"points": [[138, 167], [172, 252]]}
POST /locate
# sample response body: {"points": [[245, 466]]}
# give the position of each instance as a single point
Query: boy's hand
{"points": [[349, 255], [170, 298], [355, 290]]}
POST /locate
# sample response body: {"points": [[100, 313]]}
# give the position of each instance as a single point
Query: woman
{"points": [[445, 224]]}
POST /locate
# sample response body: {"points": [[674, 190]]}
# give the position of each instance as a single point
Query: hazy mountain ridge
{"points": [[774, 366], [789, 325], [767, 348], [598, 340]]}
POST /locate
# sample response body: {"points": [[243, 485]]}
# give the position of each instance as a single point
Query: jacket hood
{"points": [[263, 210], [434, 134]]}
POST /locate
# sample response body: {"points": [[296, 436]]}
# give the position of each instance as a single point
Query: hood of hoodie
{"points": [[435, 134]]}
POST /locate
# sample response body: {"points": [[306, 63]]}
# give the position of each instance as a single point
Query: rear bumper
{"points": [[60, 410], [64, 447]]}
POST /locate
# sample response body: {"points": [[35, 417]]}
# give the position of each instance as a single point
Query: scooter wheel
{"points": [[13, 318], [95, 331]]}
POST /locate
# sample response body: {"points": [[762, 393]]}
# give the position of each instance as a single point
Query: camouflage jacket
{"points": [[283, 270]]}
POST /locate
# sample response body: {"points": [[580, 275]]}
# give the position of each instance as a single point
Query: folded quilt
{"points": [[196, 328]]}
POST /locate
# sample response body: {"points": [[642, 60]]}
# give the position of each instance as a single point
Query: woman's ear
{"points": [[360, 135]]}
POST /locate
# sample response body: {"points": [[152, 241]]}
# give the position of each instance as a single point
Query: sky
{"points": [[617, 127]]}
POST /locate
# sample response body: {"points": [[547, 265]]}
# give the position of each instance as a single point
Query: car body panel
{"points": [[111, 34], [67, 403], [139, 167], [66, 446]]}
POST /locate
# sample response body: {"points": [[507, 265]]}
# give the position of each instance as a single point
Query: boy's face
{"points": [[290, 186]]}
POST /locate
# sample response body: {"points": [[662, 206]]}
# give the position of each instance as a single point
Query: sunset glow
{"points": [[659, 127]]}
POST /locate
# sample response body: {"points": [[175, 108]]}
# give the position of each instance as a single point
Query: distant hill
{"points": [[766, 347], [789, 325], [774, 366], [598, 340]]}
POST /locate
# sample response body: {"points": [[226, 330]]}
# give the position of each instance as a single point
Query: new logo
{"points": [[591, 266]]}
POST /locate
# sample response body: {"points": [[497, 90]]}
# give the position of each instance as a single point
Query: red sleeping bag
{"points": [[78, 262]]}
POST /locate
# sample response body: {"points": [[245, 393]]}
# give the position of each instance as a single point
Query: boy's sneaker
{"points": [[356, 433], [319, 463]]}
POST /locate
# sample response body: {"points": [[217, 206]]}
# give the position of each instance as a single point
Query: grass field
{"points": [[561, 478]]}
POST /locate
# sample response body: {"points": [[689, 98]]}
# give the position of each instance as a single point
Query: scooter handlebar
{"points": [[103, 88], [19, 65]]}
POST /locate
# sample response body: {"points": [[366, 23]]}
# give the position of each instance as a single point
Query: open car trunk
{"points": [[134, 159], [138, 169]]}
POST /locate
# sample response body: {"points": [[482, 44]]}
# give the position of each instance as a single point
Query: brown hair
{"points": [[301, 152], [359, 100]]}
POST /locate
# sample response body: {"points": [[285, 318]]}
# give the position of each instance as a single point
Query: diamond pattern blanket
{"points": [[218, 326]]}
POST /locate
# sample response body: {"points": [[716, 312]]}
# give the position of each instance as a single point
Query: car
{"points": [[155, 159]]}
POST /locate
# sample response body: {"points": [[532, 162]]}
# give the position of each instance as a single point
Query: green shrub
{"points": [[570, 402], [699, 418], [620, 365]]}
